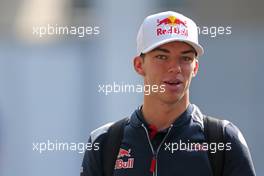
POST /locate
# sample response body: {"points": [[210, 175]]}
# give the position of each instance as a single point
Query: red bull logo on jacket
{"points": [[171, 25], [124, 159], [122, 153]]}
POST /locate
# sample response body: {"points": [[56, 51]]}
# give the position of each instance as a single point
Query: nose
{"points": [[174, 66]]}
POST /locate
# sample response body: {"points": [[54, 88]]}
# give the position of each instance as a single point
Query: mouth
{"points": [[174, 82], [173, 85]]}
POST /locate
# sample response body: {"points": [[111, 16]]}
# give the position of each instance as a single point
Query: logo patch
{"points": [[124, 159], [171, 25]]}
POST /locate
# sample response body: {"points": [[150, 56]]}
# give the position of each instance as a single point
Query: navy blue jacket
{"points": [[145, 152]]}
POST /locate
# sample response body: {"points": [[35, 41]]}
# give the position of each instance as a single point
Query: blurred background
{"points": [[49, 84]]}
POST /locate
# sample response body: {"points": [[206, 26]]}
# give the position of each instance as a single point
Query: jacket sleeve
{"points": [[92, 161], [92, 165], [238, 161]]}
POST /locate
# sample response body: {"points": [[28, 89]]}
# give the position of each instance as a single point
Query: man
{"points": [[166, 135]]}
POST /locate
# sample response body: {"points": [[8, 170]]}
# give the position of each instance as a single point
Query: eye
{"points": [[187, 59], [161, 57]]}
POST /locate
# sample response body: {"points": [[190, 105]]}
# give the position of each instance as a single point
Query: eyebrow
{"points": [[189, 51], [167, 51], [161, 49]]}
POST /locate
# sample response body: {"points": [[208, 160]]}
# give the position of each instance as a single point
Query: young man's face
{"points": [[174, 65]]}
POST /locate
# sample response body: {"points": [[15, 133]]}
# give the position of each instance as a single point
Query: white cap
{"points": [[166, 27]]}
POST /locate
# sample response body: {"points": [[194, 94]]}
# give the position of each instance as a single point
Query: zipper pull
{"points": [[153, 164]]}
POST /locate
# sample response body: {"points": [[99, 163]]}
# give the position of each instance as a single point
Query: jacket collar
{"points": [[137, 118]]}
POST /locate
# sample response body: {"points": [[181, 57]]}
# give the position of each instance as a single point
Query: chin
{"points": [[171, 98]]}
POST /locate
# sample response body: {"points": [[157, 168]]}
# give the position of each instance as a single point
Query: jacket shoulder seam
{"points": [[100, 131]]}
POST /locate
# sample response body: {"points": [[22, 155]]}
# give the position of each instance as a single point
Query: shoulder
{"points": [[229, 128], [238, 157], [100, 132], [233, 133]]}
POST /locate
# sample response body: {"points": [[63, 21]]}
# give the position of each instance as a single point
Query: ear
{"points": [[196, 67], [138, 65]]}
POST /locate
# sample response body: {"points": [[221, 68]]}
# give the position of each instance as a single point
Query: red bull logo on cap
{"points": [[171, 25], [171, 20]]}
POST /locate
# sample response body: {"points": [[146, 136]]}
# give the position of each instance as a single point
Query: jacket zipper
{"points": [[155, 153]]}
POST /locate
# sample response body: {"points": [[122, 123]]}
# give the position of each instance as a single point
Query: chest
{"points": [[167, 155]]}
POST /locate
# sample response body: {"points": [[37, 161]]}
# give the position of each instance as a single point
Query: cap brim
{"points": [[198, 48]]}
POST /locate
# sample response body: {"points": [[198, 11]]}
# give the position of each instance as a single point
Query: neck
{"points": [[162, 114]]}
